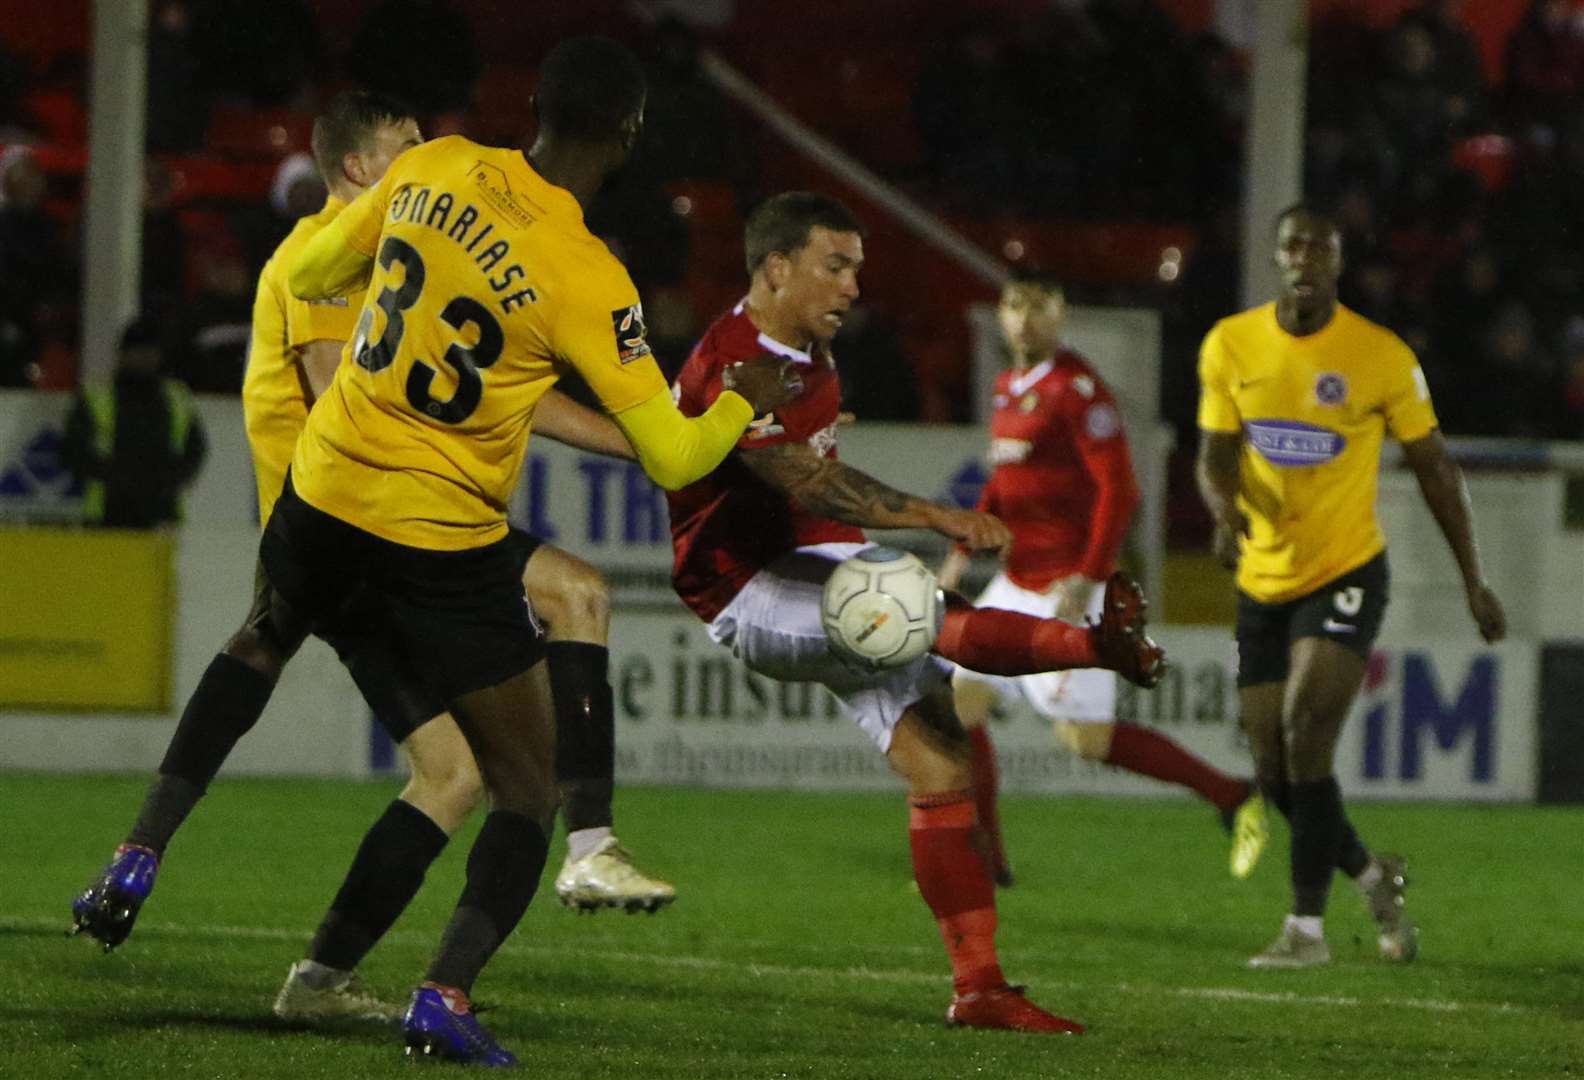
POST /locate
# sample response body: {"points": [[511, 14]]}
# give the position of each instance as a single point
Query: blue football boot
{"points": [[436, 1032], [108, 908]]}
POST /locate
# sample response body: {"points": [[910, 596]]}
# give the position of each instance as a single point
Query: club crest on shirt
{"points": [[630, 330], [1028, 402], [1102, 421], [1330, 388]]}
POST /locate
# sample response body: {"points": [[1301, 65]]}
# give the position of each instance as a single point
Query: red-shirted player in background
{"points": [[1063, 483], [756, 539]]}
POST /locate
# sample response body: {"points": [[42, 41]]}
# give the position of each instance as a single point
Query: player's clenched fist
{"points": [[766, 381], [974, 529]]}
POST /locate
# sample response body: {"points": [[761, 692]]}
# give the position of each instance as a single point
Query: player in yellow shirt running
{"points": [[1296, 397], [486, 287], [296, 348]]}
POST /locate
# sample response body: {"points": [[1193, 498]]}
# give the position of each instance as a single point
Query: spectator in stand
{"points": [[164, 258], [422, 52], [1545, 66], [257, 52], [178, 110], [1539, 216], [137, 443], [690, 129], [1518, 378], [206, 339], [1418, 118], [970, 121], [36, 271], [1151, 66], [297, 190], [1466, 294], [1458, 67]]}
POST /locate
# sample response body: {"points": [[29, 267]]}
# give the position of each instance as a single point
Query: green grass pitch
{"points": [[798, 948]]}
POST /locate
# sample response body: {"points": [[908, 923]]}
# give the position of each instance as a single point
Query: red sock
{"points": [[1140, 750], [999, 642], [955, 884], [987, 783]]}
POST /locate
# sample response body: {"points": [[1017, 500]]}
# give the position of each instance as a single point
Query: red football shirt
{"points": [[1062, 476], [730, 525]]}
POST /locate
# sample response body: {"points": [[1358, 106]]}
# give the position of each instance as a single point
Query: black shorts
{"points": [[1347, 610], [415, 628]]}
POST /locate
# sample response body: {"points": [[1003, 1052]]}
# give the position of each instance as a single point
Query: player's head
{"points": [[1309, 255], [1032, 310], [591, 92], [804, 252], [140, 346], [358, 136]]}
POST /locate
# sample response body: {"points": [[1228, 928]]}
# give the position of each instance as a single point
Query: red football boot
{"points": [[1006, 1008], [1119, 638]]}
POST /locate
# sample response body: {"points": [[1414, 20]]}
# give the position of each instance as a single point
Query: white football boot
{"points": [[1292, 949], [342, 1000], [607, 878]]}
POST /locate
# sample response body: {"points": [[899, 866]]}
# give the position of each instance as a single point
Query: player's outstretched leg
{"points": [[1142, 750], [999, 642], [227, 703], [571, 598], [952, 877]]}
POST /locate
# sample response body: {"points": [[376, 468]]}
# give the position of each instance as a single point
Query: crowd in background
{"points": [[1461, 197]]}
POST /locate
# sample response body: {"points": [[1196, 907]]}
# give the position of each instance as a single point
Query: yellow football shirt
{"points": [[486, 285], [1313, 412], [274, 392]]}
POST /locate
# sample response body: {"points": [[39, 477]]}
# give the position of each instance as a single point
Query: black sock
{"points": [[384, 877], [227, 703], [1352, 856], [168, 802], [229, 700], [502, 875], [585, 732], [1317, 822]]}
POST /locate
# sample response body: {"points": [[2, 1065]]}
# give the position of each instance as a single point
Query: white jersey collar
{"points": [[1023, 380]]}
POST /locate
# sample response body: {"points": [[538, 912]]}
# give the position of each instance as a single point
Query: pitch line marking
{"points": [[783, 971]]}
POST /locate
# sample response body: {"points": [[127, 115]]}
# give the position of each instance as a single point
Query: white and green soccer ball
{"points": [[882, 608]]}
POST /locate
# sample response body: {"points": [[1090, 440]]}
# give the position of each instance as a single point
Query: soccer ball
{"points": [[882, 608]]}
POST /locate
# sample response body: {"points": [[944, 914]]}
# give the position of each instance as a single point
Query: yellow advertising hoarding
{"points": [[86, 618]]}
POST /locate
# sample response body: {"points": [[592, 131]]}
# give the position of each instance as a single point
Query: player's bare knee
{"points": [[586, 603], [1092, 742], [1310, 742], [457, 787]]}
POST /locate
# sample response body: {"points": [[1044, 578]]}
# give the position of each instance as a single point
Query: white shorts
{"points": [[1082, 695], [773, 626]]}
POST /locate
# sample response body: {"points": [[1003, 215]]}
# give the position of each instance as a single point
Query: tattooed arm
{"points": [[832, 489]]}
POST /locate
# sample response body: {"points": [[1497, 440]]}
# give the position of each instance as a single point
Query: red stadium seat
{"points": [[60, 114]]}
